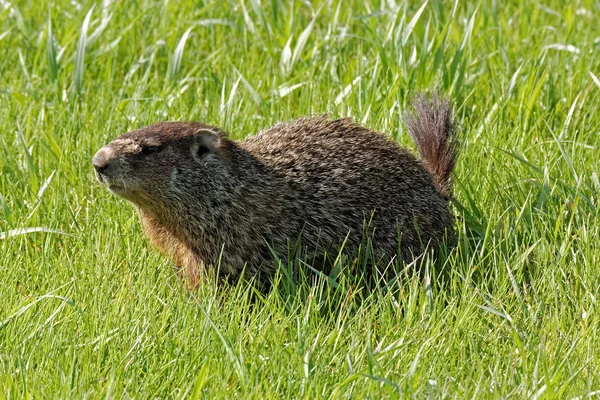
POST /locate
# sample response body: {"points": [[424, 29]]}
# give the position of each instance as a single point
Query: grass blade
{"points": [[80, 56], [303, 38], [247, 18], [51, 51], [595, 79], [253, 93], [411, 25], [178, 54], [286, 57], [567, 122], [28, 155], [340, 97], [4, 34], [24, 231]]}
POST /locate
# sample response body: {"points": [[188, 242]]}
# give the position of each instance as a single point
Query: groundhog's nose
{"points": [[102, 159]]}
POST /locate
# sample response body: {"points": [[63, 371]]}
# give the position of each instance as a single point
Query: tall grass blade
{"points": [[4, 34], [28, 155], [51, 52], [411, 25], [178, 54], [80, 55], [247, 19], [24, 231], [253, 93], [104, 20], [303, 38], [340, 97], [286, 57], [567, 122], [595, 79]]}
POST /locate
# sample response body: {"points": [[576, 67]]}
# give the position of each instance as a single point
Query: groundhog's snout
{"points": [[102, 159]]}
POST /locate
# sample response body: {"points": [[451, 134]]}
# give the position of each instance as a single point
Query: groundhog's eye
{"points": [[150, 149]]}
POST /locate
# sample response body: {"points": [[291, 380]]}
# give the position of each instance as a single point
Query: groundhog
{"points": [[211, 202]]}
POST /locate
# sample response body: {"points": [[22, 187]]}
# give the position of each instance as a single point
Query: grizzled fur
{"points": [[207, 200], [431, 128]]}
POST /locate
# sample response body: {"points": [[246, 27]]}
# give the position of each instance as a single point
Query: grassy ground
{"points": [[89, 310]]}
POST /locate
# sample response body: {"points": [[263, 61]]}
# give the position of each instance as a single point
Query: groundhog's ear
{"points": [[206, 142]]}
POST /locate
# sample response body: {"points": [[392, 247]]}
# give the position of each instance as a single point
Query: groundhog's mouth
{"points": [[121, 191], [113, 187], [116, 187], [101, 178]]}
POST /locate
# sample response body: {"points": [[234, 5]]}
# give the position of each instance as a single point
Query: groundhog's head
{"points": [[163, 163]]}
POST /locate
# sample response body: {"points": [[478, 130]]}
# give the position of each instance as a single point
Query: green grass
{"points": [[87, 309]]}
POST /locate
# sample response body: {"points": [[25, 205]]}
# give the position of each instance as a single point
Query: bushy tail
{"points": [[432, 128]]}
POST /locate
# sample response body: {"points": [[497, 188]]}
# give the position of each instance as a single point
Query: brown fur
{"points": [[206, 200], [432, 130]]}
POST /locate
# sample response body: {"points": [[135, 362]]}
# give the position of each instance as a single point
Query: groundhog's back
{"points": [[343, 174]]}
